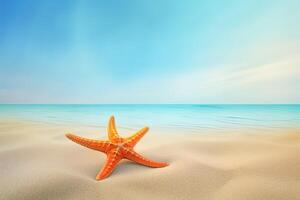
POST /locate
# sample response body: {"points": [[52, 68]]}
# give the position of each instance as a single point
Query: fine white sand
{"points": [[38, 162]]}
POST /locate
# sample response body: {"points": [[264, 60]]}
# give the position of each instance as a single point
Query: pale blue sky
{"points": [[149, 51]]}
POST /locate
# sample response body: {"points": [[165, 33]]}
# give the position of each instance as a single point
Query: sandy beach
{"points": [[38, 162]]}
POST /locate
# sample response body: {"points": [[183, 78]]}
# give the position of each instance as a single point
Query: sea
{"points": [[195, 118]]}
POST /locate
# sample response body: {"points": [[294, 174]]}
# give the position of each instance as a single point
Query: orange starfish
{"points": [[116, 148]]}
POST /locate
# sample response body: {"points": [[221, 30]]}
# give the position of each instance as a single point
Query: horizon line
{"points": [[149, 104]]}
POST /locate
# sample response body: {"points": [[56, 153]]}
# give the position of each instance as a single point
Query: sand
{"points": [[38, 162]]}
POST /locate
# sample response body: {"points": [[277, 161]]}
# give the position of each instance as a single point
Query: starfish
{"points": [[116, 149]]}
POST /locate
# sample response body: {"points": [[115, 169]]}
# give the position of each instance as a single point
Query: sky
{"points": [[158, 51]]}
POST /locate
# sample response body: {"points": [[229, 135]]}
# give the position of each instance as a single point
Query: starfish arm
{"points": [[134, 156], [112, 160], [112, 131], [132, 140], [98, 145]]}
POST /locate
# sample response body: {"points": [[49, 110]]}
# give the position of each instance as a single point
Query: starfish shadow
{"points": [[126, 167]]}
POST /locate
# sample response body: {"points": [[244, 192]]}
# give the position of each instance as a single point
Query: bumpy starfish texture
{"points": [[116, 149]]}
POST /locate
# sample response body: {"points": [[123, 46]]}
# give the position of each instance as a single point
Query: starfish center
{"points": [[120, 145]]}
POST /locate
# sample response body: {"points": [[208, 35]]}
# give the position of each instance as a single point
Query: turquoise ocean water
{"points": [[191, 117]]}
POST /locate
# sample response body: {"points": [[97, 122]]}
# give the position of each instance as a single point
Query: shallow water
{"points": [[189, 117]]}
